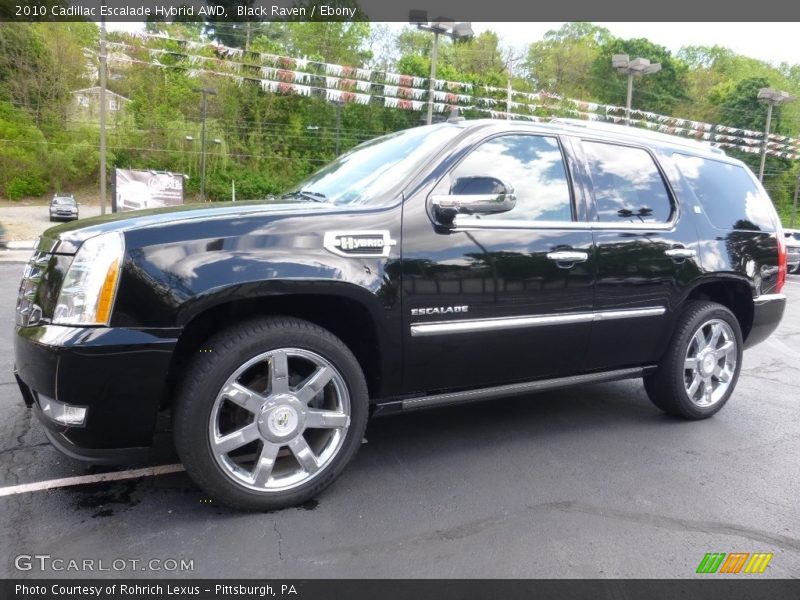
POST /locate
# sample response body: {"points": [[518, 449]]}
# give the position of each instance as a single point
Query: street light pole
{"points": [[439, 27], [772, 98], [794, 204], [432, 80], [629, 99], [205, 93], [638, 66], [766, 141]]}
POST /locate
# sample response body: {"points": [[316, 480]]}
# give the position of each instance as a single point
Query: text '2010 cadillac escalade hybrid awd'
{"points": [[450, 263]]}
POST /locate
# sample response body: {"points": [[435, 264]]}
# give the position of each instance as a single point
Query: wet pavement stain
{"points": [[104, 497], [309, 505]]}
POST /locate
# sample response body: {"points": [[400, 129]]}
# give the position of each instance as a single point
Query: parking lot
{"points": [[587, 482]]}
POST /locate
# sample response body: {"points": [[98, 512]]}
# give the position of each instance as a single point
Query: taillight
{"points": [[781, 260]]}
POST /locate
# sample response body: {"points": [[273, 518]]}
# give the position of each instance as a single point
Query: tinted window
{"points": [[372, 171], [730, 197], [532, 165], [627, 184]]}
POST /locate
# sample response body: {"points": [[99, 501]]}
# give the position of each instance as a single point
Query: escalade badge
{"points": [[359, 243], [438, 310]]}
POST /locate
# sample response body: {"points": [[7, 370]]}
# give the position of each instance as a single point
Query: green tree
{"points": [[562, 61], [40, 64], [23, 153]]}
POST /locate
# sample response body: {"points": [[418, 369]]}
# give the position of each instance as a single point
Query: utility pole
{"points": [[794, 204], [772, 98], [103, 67], [512, 59], [338, 127], [204, 110]]}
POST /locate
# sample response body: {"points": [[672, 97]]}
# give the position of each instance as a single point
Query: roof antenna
{"points": [[454, 116]]}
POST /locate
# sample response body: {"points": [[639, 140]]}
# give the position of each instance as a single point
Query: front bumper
{"points": [[767, 313], [118, 374]]}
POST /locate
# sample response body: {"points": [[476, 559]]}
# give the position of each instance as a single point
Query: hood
{"points": [[66, 238]]}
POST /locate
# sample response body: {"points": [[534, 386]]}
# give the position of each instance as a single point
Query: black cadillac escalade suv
{"points": [[444, 264]]}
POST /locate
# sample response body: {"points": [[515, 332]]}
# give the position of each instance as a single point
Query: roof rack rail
{"points": [[637, 132]]}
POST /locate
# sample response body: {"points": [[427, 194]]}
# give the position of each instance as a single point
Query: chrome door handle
{"points": [[680, 253], [568, 256]]}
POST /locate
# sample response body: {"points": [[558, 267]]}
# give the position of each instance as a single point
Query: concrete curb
{"points": [[23, 245]]}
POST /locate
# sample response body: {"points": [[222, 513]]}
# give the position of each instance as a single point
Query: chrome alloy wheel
{"points": [[279, 420], [710, 363]]}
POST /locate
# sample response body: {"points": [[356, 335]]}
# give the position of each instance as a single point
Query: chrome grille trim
{"points": [[29, 287]]}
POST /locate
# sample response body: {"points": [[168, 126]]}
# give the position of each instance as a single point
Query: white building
{"points": [[87, 104]]}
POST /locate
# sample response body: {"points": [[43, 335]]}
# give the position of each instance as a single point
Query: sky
{"points": [[771, 42]]}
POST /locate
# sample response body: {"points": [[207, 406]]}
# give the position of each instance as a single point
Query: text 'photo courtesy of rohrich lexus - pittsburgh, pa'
{"points": [[463, 261]]}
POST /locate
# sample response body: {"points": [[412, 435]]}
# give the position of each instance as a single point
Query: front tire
{"points": [[270, 413], [701, 366]]}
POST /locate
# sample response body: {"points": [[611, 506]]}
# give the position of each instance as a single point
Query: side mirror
{"points": [[474, 196]]}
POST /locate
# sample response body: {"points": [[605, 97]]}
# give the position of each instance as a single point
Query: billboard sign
{"points": [[135, 190]]}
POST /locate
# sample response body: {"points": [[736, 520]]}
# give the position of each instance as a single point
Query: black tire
{"points": [[667, 386], [224, 353]]}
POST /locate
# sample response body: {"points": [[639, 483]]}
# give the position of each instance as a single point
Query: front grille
{"points": [[29, 312]]}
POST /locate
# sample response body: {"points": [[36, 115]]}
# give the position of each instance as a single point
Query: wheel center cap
{"points": [[707, 364], [282, 420], [281, 417]]}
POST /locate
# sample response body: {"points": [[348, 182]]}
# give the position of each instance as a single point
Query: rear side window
{"points": [[628, 187], [728, 194]]}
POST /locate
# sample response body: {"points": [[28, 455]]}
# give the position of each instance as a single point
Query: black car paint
{"points": [[182, 263]]}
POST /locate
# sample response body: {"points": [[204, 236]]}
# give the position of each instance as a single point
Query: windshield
{"points": [[370, 171], [63, 200]]}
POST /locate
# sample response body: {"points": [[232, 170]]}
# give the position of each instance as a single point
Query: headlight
{"points": [[87, 294]]}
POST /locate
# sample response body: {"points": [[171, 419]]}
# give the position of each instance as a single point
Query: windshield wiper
{"points": [[309, 194]]}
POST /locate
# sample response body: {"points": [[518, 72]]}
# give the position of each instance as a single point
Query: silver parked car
{"points": [[792, 250], [63, 208]]}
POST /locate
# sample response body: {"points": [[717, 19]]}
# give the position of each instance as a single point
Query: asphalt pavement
{"points": [[589, 482]]}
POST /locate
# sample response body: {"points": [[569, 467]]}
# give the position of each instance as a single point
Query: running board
{"points": [[513, 389]]}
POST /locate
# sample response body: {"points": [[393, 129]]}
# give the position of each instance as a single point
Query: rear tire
{"points": [[269, 413], [701, 367]]}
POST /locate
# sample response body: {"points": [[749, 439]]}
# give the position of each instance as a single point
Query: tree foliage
{"points": [[266, 141]]}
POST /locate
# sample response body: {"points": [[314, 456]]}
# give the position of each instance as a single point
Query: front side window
{"points": [[371, 172], [531, 164], [627, 185]]}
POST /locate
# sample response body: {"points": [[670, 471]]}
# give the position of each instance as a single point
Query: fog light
{"points": [[64, 414]]}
